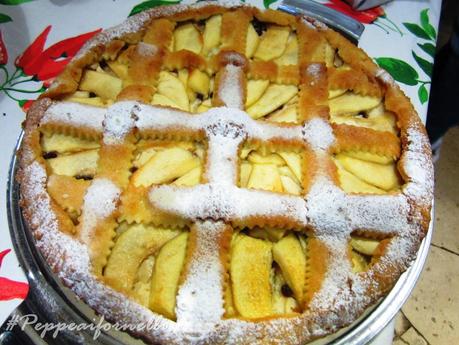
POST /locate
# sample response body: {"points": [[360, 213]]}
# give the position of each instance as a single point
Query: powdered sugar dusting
{"points": [[369, 212], [318, 133], [222, 152], [100, 201], [75, 114], [338, 272], [419, 168], [119, 121], [44, 220], [164, 119], [200, 298], [314, 70], [230, 90], [327, 219], [146, 49], [219, 201]]}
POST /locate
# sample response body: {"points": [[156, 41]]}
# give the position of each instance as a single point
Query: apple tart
{"points": [[227, 175]]}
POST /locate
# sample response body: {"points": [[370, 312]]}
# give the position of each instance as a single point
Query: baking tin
{"points": [[347, 26], [52, 302]]}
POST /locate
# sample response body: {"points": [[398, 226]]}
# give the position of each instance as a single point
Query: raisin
{"points": [[50, 154], [84, 177], [286, 291], [259, 27]]}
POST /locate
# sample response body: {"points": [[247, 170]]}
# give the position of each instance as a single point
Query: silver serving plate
{"points": [[349, 27]]}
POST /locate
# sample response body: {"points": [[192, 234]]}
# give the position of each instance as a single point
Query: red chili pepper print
{"points": [[45, 64], [25, 104], [40, 64], [34, 49], [366, 17], [10, 289], [3, 51]]}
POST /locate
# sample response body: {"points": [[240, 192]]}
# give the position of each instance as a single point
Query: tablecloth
{"points": [[38, 38]]}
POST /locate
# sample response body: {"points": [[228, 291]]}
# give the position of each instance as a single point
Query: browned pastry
{"points": [[226, 175]]}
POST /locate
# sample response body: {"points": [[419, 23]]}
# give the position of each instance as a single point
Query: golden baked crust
{"points": [[225, 185]]}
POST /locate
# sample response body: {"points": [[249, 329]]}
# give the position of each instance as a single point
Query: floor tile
{"points": [[447, 194], [413, 338], [401, 324], [433, 306]]}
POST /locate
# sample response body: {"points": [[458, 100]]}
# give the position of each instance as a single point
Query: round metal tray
{"points": [[52, 302]]}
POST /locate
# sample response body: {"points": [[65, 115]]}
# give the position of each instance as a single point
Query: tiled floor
{"points": [[431, 315]]}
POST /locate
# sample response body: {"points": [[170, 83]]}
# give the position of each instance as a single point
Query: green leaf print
{"points": [[4, 18], [267, 3], [423, 94], [417, 30], [425, 65], [429, 48], [150, 4], [399, 70], [428, 28], [13, 2]]}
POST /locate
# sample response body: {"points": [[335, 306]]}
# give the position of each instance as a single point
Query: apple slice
{"points": [[95, 101], [102, 84], [187, 37], [81, 163], [131, 248], [290, 55], [166, 276], [287, 115], [65, 143], [120, 69], [171, 87], [246, 169], [141, 289], [163, 101], [144, 156], [269, 234], [378, 175], [352, 184], [364, 245], [351, 103], [292, 261], [293, 161], [199, 82], [273, 43], [359, 264], [335, 93], [272, 158], [191, 178], [183, 75], [277, 281], [329, 55], [252, 41], [204, 106], [290, 186], [165, 166], [275, 96], [255, 89], [286, 171], [211, 34], [250, 270], [369, 157], [266, 177]]}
